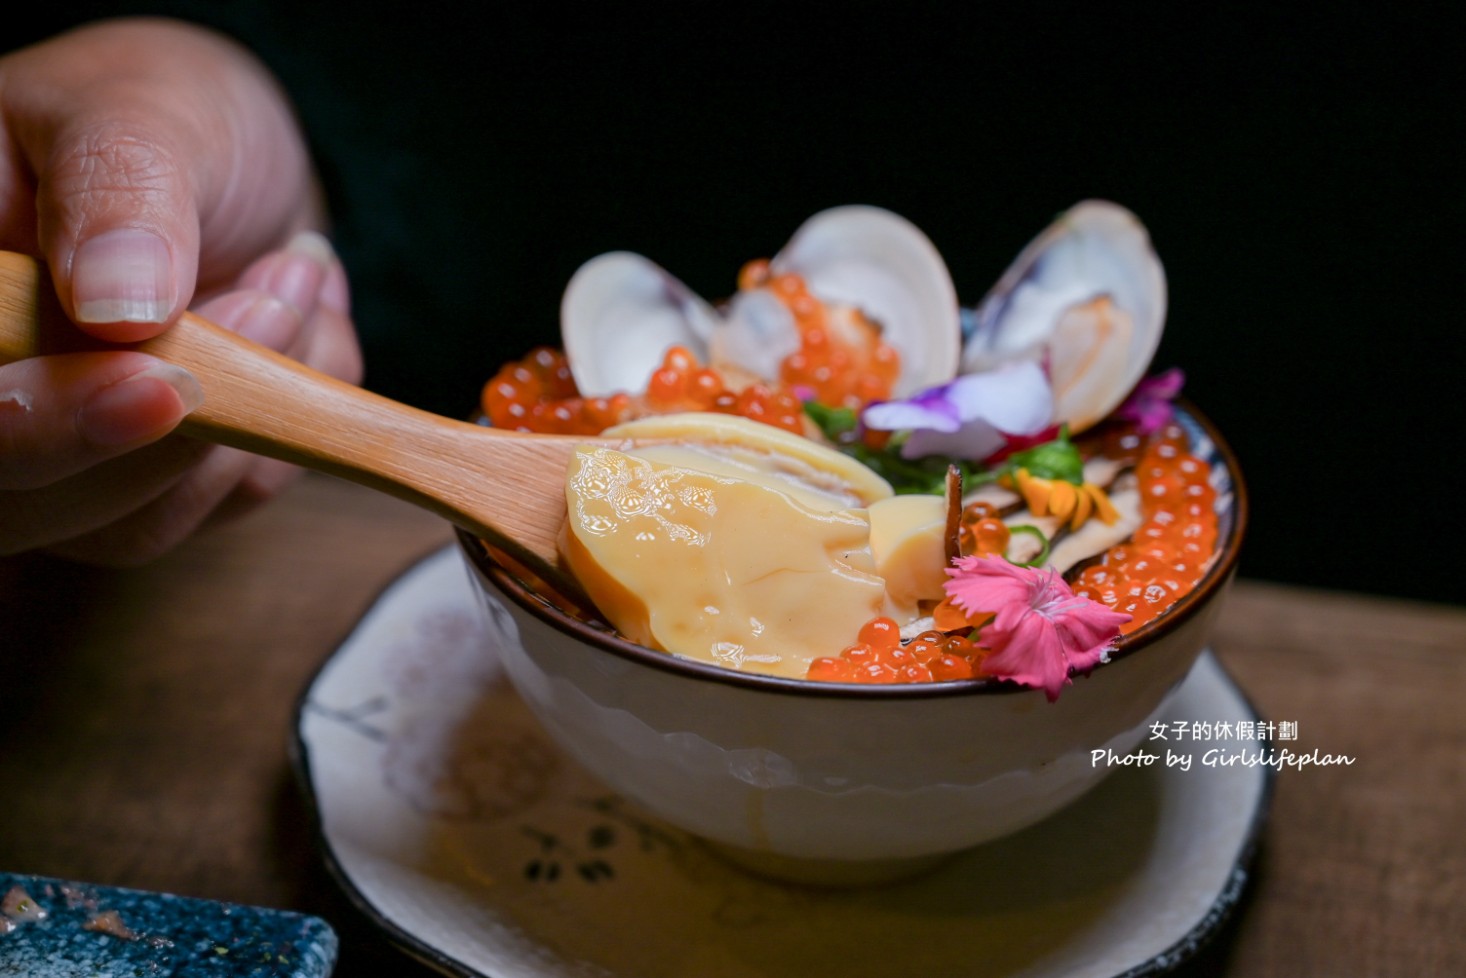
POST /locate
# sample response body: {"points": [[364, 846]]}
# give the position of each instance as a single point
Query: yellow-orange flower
{"points": [[1062, 499]]}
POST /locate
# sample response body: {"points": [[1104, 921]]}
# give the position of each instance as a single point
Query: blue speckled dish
{"points": [[161, 935]]}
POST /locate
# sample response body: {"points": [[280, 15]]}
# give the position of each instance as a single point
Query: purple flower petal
{"points": [[969, 417], [1149, 405], [974, 440], [927, 410], [1016, 399]]}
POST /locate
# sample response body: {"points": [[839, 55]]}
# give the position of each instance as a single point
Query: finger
{"points": [[296, 301], [291, 300], [284, 287], [304, 280], [265, 480], [274, 322], [294, 276], [157, 525], [332, 346], [276, 295], [258, 316], [336, 291], [149, 502], [162, 154], [302, 274], [118, 220], [297, 273], [60, 415], [103, 494]]}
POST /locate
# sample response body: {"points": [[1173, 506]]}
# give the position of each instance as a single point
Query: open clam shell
{"points": [[882, 264], [1087, 297], [619, 315], [621, 312]]}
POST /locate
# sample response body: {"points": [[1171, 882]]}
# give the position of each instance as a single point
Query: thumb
{"points": [[127, 281], [147, 141], [118, 221]]}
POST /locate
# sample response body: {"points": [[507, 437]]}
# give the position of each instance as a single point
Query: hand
{"points": [[154, 166]]}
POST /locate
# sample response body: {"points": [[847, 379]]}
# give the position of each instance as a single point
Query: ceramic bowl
{"points": [[837, 783]]}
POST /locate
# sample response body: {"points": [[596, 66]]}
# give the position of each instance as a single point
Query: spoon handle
{"points": [[492, 483]]}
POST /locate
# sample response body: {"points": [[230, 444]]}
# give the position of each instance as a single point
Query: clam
{"points": [[878, 262], [621, 311], [1087, 298]]}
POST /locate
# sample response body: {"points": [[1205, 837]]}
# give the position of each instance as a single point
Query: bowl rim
{"points": [[1128, 645]]}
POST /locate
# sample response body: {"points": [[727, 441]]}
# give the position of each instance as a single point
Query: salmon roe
{"points": [[539, 394], [1176, 540], [842, 360], [681, 384], [1143, 577], [878, 656], [981, 530]]}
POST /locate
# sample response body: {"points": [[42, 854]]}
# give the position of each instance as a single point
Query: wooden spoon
{"points": [[506, 487]]}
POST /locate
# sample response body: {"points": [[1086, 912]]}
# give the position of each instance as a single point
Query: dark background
{"points": [[1298, 171]]}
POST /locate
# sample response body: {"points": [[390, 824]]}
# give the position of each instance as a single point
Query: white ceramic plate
{"points": [[453, 823]]}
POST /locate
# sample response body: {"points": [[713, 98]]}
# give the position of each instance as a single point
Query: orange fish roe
{"points": [[680, 384], [1174, 545], [539, 394], [841, 359], [981, 530], [877, 656]]}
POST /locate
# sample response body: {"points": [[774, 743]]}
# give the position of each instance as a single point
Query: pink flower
{"points": [[1041, 629], [1149, 405]]}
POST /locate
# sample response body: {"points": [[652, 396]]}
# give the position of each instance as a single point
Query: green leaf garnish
{"points": [[906, 476], [1057, 459], [839, 425], [1032, 531]]}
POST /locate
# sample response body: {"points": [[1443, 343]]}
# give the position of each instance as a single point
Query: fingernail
{"points": [[296, 273], [131, 410], [333, 292], [269, 321], [314, 245], [123, 276]]}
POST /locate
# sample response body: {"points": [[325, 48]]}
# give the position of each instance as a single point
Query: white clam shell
{"points": [[882, 264], [758, 333], [1095, 250], [619, 315]]}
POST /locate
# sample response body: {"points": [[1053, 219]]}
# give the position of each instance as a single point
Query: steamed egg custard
{"points": [[741, 545]]}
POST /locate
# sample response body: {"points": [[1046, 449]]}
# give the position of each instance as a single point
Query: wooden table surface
{"points": [[145, 717]]}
